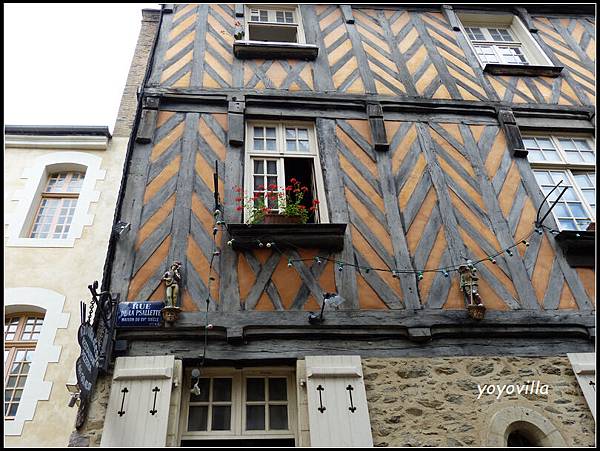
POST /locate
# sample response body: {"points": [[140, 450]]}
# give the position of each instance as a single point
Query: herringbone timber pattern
{"points": [[549, 283], [338, 47], [379, 52], [153, 239], [178, 59], [218, 55], [368, 224]]}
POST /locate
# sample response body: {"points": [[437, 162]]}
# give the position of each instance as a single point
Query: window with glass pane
{"points": [[57, 206], [570, 212], [555, 158], [276, 25], [486, 41], [266, 404], [211, 409], [20, 336]]}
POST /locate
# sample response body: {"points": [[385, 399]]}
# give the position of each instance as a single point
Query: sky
{"points": [[66, 64]]}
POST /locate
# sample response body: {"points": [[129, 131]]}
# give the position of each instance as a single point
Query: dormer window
{"points": [[279, 24], [504, 46]]}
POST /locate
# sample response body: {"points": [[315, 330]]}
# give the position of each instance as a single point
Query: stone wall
{"points": [[91, 431], [137, 70], [433, 402]]}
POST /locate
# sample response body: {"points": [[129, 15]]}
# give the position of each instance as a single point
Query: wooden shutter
{"points": [[584, 367], [337, 402], [138, 407]]}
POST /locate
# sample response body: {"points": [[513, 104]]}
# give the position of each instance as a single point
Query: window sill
{"points": [[274, 50], [321, 236], [578, 247], [518, 69], [40, 242]]}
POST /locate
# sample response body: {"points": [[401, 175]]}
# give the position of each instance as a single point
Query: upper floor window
{"points": [[569, 159], [57, 205], [274, 24], [21, 333], [502, 39], [279, 153]]}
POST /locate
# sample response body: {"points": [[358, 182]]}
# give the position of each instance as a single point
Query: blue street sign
{"points": [[139, 314]]}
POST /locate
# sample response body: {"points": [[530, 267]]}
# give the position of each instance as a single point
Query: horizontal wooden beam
{"points": [[277, 350]]}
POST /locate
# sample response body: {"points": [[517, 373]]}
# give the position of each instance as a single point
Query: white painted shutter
{"points": [[334, 418], [138, 407], [584, 367]]}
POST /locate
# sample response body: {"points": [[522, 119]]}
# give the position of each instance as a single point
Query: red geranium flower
{"points": [[271, 186], [239, 208], [288, 188], [304, 188], [237, 199], [315, 202], [293, 180]]}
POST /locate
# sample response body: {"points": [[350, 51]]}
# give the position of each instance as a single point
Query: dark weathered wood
{"points": [[347, 13], [397, 231], [578, 247], [239, 10], [512, 133], [378, 133], [451, 16], [274, 50], [185, 186], [322, 236], [337, 205], [146, 126], [262, 279], [199, 46], [361, 58], [236, 127], [515, 69], [160, 49]]}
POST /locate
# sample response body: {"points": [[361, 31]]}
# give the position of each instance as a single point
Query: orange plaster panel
{"points": [[264, 303], [159, 181], [287, 281], [368, 299], [588, 278], [148, 269], [246, 277], [567, 301]]}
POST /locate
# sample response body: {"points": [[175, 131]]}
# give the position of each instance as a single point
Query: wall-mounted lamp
{"points": [[75, 394], [332, 299], [121, 228]]}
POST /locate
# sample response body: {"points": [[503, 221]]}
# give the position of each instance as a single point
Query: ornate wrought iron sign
{"points": [[86, 366]]}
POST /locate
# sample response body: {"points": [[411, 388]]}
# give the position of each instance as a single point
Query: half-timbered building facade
{"points": [[429, 142]]}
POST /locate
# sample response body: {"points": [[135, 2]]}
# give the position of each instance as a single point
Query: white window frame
{"points": [[238, 406], [564, 165], [280, 153], [272, 9], [19, 223], [37, 388], [531, 50]]}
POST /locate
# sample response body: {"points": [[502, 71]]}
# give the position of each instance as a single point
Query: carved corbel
{"points": [[147, 123], [375, 114], [512, 133], [526, 18], [235, 118], [451, 16]]}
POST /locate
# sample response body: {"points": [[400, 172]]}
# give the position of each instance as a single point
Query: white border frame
{"points": [[533, 52], [238, 406], [36, 388], [28, 198], [301, 38], [312, 153]]}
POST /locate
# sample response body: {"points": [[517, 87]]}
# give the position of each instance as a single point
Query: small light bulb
{"points": [[289, 263], [539, 231], [445, 273], [209, 326], [260, 244], [318, 260], [525, 242], [509, 252], [230, 243], [492, 259], [268, 244], [394, 274], [367, 270], [420, 276], [341, 267]]}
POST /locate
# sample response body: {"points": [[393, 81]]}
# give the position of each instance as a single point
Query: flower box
{"points": [[274, 218]]}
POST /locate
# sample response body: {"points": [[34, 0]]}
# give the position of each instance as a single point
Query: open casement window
{"points": [[21, 333], [57, 205], [570, 159], [276, 153], [239, 407], [501, 39], [274, 24]]}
